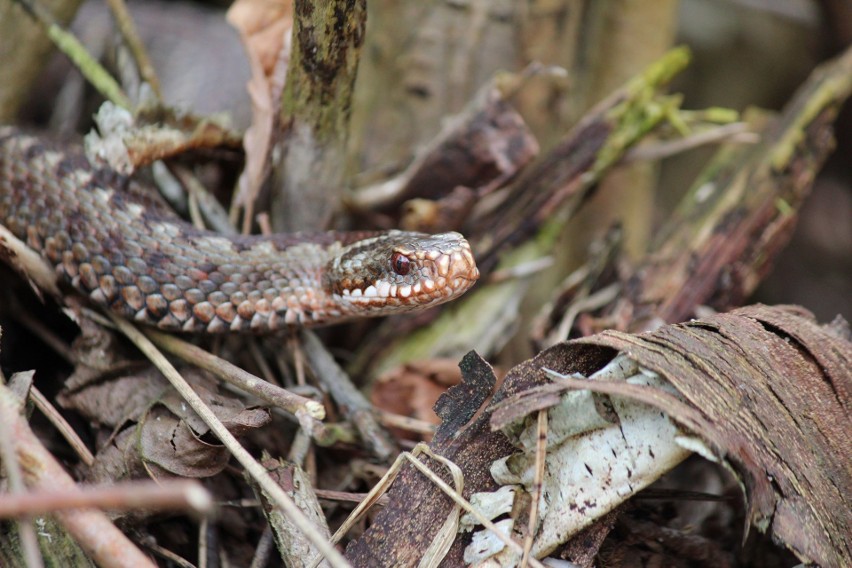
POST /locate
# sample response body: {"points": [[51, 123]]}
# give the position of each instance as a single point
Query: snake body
{"points": [[128, 252]]}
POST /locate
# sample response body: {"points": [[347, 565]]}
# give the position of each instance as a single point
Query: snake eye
{"points": [[400, 263]]}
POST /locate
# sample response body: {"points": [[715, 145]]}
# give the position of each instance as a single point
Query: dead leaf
{"points": [[413, 389], [264, 27]]}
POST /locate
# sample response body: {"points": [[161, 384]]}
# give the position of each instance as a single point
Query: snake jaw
{"points": [[439, 268]]}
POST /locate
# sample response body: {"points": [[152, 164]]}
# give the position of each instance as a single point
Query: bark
{"points": [[315, 109]]}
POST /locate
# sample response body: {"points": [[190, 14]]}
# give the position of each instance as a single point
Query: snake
{"points": [[114, 241]]}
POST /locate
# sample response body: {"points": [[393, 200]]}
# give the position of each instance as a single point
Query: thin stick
{"points": [[230, 373], [131, 37], [276, 495], [540, 455], [164, 496], [26, 531], [62, 426], [359, 409], [107, 545], [465, 504]]}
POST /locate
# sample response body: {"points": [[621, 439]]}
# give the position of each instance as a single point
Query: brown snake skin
{"points": [[130, 253]]}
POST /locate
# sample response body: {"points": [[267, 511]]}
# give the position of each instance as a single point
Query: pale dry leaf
{"points": [[264, 27]]}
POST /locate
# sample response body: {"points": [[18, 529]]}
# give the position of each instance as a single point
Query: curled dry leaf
{"points": [[264, 27], [154, 430]]}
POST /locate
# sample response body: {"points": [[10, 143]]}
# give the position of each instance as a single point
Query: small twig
{"points": [[169, 555], [264, 549], [28, 263], [12, 467], [521, 270], [183, 495], [348, 497], [593, 301], [465, 504], [275, 494], [77, 53], [298, 358], [281, 398], [107, 545], [540, 460], [347, 396], [131, 37], [205, 205], [261, 362], [46, 335], [736, 132], [62, 426], [299, 448], [203, 529], [405, 422], [374, 495]]}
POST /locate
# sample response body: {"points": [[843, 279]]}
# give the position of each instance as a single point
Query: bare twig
{"points": [[347, 396], [540, 455], [162, 496], [9, 459], [281, 398], [106, 545], [134, 43], [62, 426], [275, 494]]}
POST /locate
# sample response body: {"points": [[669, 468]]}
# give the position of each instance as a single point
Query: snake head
{"points": [[400, 271]]}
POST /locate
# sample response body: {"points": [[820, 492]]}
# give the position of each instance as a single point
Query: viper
{"points": [[109, 237]]}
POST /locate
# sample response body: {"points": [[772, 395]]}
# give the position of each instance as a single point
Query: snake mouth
{"points": [[434, 279]]}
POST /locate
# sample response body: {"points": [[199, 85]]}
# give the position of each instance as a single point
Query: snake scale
{"points": [[125, 250]]}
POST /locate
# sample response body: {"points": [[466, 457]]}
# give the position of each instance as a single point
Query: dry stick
{"points": [[540, 455], [230, 373], [164, 495], [347, 396], [131, 37], [405, 422], [734, 132], [261, 362], [276, 495], [62, 426], [9, 459], [105, 544], [203, 530], [97, 76], [264, 549], [465, 504], [209, 209], [45, 335], [169, 555]]}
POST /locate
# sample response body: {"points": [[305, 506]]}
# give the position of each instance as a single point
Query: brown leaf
{"points": [[413, 389], [171, 444], [264, 27], [169, 437]]}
